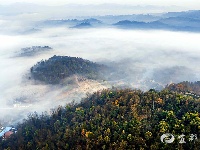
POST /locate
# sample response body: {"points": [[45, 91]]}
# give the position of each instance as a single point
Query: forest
{"points": [[115, 119], [57, 68], [186, 87], [34, 50]]}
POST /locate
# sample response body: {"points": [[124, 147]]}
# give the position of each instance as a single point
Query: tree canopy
{"points": [[56, 68], [113, 119]]}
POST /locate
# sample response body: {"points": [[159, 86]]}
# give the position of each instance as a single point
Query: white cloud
{"points": [[140, 55]]}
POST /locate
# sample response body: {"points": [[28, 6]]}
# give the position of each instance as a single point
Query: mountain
{"points": [[88, 23], [114, 119], [83, 25], [141, 25], [92, 21], [195, 14], [62, 22], [186, 21], [34, 50], [191, 14], [130, 23], [127, 24], [189, 88], [177, 21], [57, 68], [181, 22], [111, 19], [76, 23]]}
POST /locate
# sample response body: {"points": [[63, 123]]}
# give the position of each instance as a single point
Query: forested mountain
{"points": [[186, 87], [185, 14], [172, 23], [31, 51], [56, 68], [113, 119], [83, 25], [176, 21], [71, 22], [141, 25]]}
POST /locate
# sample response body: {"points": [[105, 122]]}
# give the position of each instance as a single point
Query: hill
{"points": [[141, 25], [172, 23], [192, 88], [57, 68], [128, 23], [178, 21], [195, 14], [83, 25], [113, 119], [73, 23], [34, 50]]}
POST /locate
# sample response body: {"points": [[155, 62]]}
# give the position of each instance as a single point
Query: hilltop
{"points": [[57, 68]]}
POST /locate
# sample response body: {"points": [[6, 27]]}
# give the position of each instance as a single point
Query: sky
{"points": [[51, 9], [191, 4], [112, 7]]}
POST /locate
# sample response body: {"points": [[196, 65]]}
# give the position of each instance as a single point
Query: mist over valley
{"points": [[142, 51], [139, 59], [99, 75]]}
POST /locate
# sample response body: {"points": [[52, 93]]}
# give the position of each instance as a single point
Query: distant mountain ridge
{"points": [[76, 23], [182, 21], [83, 25], [186, 14], [141, 25], [178, 21]]}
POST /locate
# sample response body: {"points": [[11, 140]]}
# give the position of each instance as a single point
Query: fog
{"points": [[140, 59]]}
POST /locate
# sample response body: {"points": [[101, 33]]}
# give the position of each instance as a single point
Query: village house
{"points": [[6, 132]]}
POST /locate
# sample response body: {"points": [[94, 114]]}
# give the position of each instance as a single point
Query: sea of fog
{"points": [[142, 59]]}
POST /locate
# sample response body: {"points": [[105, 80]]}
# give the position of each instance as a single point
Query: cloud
{"points": [[141, 59]]}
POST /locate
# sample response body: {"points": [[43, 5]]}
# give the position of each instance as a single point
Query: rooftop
{"points": [[4, 130]]}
